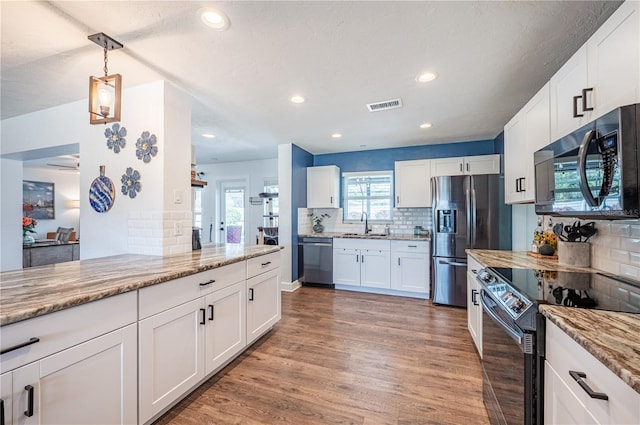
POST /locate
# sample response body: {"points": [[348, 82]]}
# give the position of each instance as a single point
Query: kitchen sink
{"points": [[365, 235]]}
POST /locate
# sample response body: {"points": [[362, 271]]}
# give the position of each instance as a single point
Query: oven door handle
{"points": [[517, 337]]}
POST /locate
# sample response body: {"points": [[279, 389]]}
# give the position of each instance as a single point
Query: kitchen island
{"points": [[123, 338], [612, 338]]}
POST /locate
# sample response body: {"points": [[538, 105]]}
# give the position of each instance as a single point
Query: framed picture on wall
{"points": [[38, 200]]}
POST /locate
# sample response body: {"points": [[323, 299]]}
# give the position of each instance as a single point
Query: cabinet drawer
{"points": [[264, 263], [63, 329], [564, 355], [161, 297], [410, 246]]}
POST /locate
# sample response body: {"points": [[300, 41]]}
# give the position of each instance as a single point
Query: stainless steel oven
{"points": [[512, 355]]}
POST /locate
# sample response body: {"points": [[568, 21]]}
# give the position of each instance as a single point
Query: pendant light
{"points": [[105, 92]]}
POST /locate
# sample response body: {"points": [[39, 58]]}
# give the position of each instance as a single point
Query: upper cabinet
{"points": [[413, 183], [527, 132], [603, 75], [481, 164], [323, 187]]}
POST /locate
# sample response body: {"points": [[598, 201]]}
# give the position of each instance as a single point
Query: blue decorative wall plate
{"points": [[102, 193]]}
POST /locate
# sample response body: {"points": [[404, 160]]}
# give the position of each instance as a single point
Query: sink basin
{"points": [[365, 235]]}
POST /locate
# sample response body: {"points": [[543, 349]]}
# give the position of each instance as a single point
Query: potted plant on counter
{"points": [[28, 226], [317, 222]]}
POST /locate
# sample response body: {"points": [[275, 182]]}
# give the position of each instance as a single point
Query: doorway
{"points": [[232, 223]]}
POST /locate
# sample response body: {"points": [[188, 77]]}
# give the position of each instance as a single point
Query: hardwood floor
{"points": [[340, 357]]}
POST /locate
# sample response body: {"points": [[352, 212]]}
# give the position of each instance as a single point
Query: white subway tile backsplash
{"points": [[630, 244], [620, 229], [634, 258], [634, 231], [630, 271], [619, 255]]}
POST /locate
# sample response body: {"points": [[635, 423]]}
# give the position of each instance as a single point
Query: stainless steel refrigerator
{"points": [[468, 212]]}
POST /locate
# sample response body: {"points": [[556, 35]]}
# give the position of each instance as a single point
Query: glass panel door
{"points": [[233, 213]]}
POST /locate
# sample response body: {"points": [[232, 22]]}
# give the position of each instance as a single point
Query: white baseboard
{"points": [[290, 286], [421, 295]]}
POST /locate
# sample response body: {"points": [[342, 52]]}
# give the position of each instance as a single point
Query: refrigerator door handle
{"points": [[474, 221], [453, 263], [467, 196]]}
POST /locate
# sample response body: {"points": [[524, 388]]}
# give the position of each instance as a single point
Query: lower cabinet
{"points": [[568, 401], [263, 303], [226, 332], [410, 266], [95, 380], [474, 307], [171, 353], [362, 262]]}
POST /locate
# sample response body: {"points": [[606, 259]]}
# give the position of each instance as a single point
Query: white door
{"points": [[346, 266], [92, 383], [6, 399], [411, 272], [171, 352], [226, 330], [375, 270], [232, 213], [263, 303]]}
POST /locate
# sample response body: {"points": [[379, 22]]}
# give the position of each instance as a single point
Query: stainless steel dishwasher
{"points": [[315, 261]]}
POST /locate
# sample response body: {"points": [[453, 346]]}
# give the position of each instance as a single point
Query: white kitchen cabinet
{"points": [[566, 402], [323, 187], [601, 76], [474, 307], [263, 303], [6, 398], [458, 166], [171, 352], [95, 379], [410, 266], [226, 333], [362, 262], [346, 265], [527, 132], [413, 183]]}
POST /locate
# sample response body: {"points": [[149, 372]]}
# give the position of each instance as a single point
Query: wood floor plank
{"points": [[340, 357]]}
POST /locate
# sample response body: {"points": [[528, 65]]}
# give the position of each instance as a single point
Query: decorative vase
{"points": [[574, 253], [546, 250], [27, 239], [318, 228]]}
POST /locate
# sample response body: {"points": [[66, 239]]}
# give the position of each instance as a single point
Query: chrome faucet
{"points": [[366, 221]]}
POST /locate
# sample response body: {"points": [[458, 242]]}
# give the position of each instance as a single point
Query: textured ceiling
{"points": [[491, 57]]}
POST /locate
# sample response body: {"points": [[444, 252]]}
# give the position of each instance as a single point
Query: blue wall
{"points": [[383, 159], [300, 160]]}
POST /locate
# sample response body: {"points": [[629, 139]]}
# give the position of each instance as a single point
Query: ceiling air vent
{"points": [[384, 105]]}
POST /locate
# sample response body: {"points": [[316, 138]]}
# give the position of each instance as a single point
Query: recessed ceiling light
{"points": [[336, 135], [214, 18], [425, 125], [297, 99], [426, 77], [209, 136]]}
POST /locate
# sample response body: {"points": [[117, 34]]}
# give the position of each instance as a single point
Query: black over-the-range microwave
{"points": [[592, 172]]}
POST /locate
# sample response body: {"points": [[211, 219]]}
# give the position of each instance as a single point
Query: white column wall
{"points": [[10, 215]]}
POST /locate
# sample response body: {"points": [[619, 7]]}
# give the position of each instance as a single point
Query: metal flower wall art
{"points": [[131, 182], [146, 146], [115, 137]]}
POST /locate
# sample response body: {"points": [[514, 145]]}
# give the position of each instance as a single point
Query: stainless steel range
{"points": [[513, 337]]}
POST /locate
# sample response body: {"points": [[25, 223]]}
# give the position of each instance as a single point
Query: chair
{"points": [[63, 234]]}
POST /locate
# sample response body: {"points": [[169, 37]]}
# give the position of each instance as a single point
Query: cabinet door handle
{"points": [[474, 300], [397, 200], [29, 412], [203, 312], [577, 376], [461, 167], [474, 271], [585, 107], [398, 260], [208, 283], [575, 107], [468, 169], [250, 294], [1, 411], [331, 200], [211, 311], [517, 185], [363, 258], [266, 264], [412, 246], [22, 344], [357, 258]]}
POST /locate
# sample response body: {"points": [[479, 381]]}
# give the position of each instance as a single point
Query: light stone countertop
{"points": [[611, 337], [35, 291], [392, 237]]}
